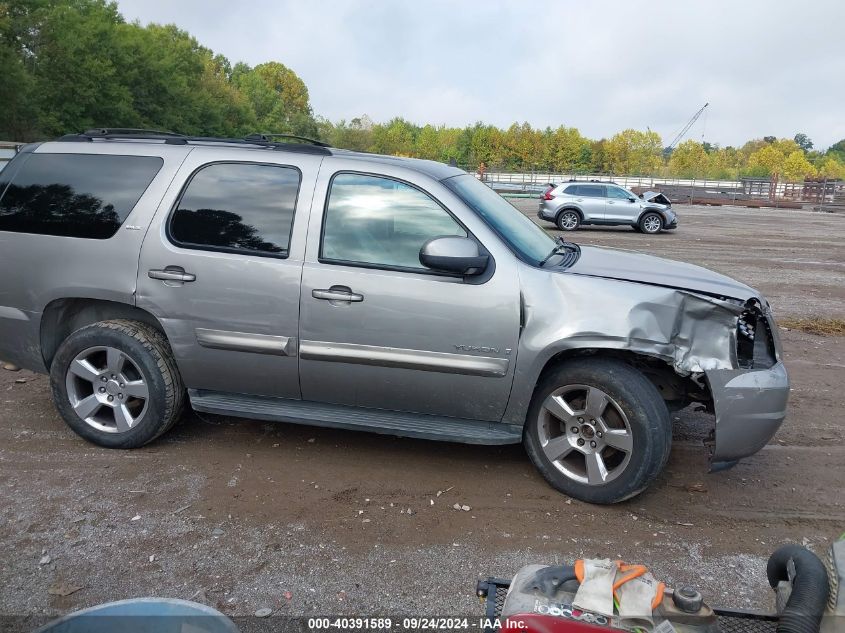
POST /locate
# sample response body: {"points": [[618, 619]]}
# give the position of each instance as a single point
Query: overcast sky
{"points": [[765, 67]]}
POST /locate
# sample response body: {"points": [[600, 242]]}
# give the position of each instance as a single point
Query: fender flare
{"points": [[569, 207], [650, 210]]}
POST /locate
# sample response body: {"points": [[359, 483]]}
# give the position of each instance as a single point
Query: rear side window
{"points": [[572, 190], [237, 207], [74, 195], [591, 191]]}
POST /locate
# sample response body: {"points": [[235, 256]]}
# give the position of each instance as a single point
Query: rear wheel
{"points": [[651, 223], [598, 430], [568, 220], [116, 384]]}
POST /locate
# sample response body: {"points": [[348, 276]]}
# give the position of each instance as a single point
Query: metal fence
{"points": [[820, 194]]}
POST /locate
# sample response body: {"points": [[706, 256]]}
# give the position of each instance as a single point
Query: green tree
{"points": [[837, 150], [565, 150], [767, 161], [634, 152], [427, 143], [796, 167], [522, 146], [689, 160], [832, 168], [803, 141], [278, 97], [396, 137]]}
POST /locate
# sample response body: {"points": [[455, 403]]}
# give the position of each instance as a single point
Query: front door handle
{"points": [[337, 293], [171, 273]]}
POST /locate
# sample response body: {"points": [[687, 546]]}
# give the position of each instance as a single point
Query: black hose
{"points": [[810, 588]]}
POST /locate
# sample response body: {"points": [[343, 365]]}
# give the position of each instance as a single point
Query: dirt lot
{"points": [[244, 515]]}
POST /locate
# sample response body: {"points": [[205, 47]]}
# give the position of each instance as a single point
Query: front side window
{"points": [[74, 195], [381, 222], [617, 193], [237, 207]]}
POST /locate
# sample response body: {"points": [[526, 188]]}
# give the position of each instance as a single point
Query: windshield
{"points": [[528, 240]]}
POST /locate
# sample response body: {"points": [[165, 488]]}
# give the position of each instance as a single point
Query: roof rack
{"points": [[172, 138], [270, 137]]}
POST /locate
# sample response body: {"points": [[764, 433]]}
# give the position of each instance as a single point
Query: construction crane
{"points": [[671, 146]]}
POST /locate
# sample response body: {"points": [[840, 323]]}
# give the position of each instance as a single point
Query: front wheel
{"points": [[598, 430], [651, 223]]}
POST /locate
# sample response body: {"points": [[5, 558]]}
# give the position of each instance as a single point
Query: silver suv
{"points": [[297, 283], [575, 203]]}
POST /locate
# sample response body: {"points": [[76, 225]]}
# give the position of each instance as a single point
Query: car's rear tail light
{"points": [[547, 194]]}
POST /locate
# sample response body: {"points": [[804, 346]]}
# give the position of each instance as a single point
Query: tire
{"points": [[651, 223], [94, 404], [634, 416], [568, 220]]}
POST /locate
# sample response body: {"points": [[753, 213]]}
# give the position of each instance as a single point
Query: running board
{"points": [[428, 427]]}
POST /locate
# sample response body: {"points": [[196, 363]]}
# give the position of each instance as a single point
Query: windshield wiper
{"points": [[561, 247]]}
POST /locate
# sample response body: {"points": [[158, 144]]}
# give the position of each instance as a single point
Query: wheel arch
{"points": [[676, 390], [62, 317], [569, 207], [650, 210]]}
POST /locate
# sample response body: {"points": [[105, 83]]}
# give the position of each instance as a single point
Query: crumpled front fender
{"points": [[693, 333]]}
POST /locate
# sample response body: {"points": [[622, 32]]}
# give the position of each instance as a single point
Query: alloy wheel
{"points": [[569, 220], [585, 434], [107, 390], [651, 224]]}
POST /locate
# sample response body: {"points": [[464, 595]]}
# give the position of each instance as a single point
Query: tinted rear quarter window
{"points": [[74, 195], [591, 191], [237, 207], [572, 190]]}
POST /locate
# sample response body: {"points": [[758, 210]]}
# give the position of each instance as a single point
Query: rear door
{"points": [[619, 206], [221, 265], [377, 328], [591, 199]]}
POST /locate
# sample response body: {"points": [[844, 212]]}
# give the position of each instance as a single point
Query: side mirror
{"points": [[632, 199], [457, 255]]}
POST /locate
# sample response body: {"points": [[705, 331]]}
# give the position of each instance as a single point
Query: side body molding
{"points": [[247, 342], [403, 358]]}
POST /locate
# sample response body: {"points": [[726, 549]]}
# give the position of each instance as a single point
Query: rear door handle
{"points": [[337, 293], [171, 273]]}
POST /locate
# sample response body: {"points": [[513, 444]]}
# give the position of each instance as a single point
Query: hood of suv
{"points": [[611, 263]]}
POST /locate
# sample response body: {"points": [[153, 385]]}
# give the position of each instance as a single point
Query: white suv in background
{"points": [[572, 204]]}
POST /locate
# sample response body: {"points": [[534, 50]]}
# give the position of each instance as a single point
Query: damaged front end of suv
{"points": [[700, 337]]}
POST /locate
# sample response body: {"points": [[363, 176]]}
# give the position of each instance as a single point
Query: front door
{"points": [[220, 269], [377, 328]]}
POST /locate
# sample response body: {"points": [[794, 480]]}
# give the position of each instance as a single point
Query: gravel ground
{"points": [[243, 515]]}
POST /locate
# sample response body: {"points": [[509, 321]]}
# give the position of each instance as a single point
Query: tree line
{"points": [[69, 65], [522, 147]]}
